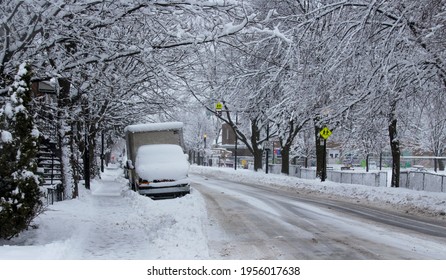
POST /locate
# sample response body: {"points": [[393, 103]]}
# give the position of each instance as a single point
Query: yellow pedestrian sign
{"points": [[325, 133], [218, 106]]}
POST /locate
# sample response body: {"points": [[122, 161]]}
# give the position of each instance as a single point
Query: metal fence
{"points": [[423, 181], [414, 180], [53, 194], [374, 179]]}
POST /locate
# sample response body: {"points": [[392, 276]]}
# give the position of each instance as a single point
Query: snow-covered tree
{"points": [[399, 47], [249, 67], [20, 195], [427, 128], [276, 65], [119, 58]]}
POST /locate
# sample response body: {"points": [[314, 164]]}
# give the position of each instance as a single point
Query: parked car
{"points": [[162, 170]]}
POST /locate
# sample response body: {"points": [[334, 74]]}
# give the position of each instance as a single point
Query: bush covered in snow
{"points": [[19, 185]]}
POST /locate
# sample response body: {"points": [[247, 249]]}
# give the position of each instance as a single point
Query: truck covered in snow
{"points": [[156, 163]]}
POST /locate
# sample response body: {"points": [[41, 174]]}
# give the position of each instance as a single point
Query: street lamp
{"points": [[204, 139]]}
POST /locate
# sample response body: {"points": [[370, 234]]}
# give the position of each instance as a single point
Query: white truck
{"points": [[156, 163]]}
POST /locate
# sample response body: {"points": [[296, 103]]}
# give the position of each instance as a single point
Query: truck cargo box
{"points": [[145, 135]]}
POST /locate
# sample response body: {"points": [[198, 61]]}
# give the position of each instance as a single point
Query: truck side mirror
{"points": [[129, 165]]}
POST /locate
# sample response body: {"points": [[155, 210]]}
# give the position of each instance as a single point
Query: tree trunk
{"points": [[441, 164], [395, 148], [65, 139], [258, 155], [319, 153], [367, 162], [73, 163], [285, 152], [257, 152], [94, 168]]}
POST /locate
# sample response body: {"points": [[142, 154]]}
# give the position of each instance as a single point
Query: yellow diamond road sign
{"points": [[218, 106], [325, 133]]}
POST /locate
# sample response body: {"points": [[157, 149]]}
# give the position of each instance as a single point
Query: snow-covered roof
{"points": [[153, 127]]}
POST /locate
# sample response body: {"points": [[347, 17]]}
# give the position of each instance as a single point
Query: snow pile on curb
{"points": [[174, 226]]}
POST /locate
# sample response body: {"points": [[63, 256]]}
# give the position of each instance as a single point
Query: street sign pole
{"points": [[267, 150], [324, 133], [324, 166], [266, 165]]}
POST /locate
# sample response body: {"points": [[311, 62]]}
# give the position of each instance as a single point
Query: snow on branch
{"points": [[274, 33], [227, 30]]}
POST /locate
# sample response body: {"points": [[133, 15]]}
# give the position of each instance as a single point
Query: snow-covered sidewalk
{"points": [[110, 222]]}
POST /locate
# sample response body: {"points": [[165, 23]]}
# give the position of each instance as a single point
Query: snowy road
{"points": [[253, 222]]}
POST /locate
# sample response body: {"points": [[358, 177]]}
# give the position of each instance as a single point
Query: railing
{"points": [[374, 179], [423, 181], [54, 193], [415, 180]]}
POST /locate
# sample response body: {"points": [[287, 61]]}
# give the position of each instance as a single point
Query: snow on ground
{"points": [[111, 222]]}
